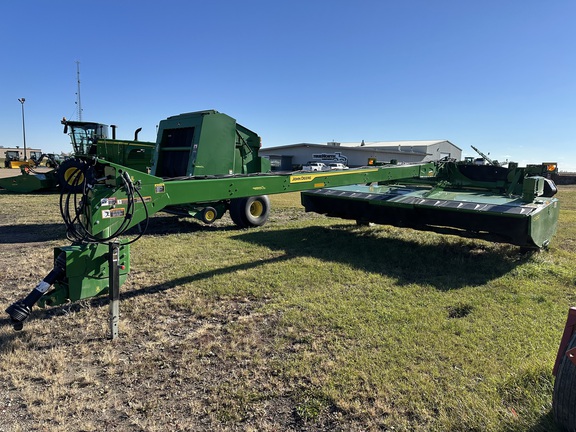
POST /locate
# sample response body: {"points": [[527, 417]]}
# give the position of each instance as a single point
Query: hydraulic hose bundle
{"points": [[74, 206]]}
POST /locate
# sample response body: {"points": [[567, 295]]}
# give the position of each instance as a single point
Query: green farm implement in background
{"points": [[88, 140]]}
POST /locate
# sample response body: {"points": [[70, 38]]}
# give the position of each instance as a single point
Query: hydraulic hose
{"points": [[77, 221], [20, 310]]}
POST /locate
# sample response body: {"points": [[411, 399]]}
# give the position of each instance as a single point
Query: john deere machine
{"points": [[206, 145], [89, 140], [506, 204], [192, 173]]}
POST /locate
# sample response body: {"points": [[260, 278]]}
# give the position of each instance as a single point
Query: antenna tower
{"points": [[78, 102]]}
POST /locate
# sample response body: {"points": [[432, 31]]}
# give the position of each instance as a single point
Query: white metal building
{"points": [[355, 154]]}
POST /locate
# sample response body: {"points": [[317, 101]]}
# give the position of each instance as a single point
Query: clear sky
{"points": [[499, 75]]}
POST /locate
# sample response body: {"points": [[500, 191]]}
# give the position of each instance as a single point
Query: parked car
{"points": [[337, 166], [315, 166]]}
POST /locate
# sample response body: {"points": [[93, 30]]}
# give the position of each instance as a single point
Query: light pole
{"points": [[22, 100]]}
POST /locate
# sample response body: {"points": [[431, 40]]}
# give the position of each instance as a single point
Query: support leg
{"points": [[114, 289]]}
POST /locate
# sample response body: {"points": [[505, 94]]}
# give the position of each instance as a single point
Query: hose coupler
{"points": [[20, 310]]}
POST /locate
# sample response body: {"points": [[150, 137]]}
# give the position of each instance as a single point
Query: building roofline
{"points": [[358, 145]]}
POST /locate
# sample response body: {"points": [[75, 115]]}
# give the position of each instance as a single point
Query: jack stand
{"points": [[114, 288]]}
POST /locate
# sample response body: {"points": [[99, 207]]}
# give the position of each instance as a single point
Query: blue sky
{"points": [[499, 75]]}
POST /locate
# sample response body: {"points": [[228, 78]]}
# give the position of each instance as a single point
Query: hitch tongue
{"points": [[20, 310]]}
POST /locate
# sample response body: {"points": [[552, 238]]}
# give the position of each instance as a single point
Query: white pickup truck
{"points": [[315, 166], [337, 166]]}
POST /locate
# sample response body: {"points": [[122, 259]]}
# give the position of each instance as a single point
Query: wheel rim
{"points": [[256, 209], [209, 215]]}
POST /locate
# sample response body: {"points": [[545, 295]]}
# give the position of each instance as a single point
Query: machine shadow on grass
{"points": [[158, 225], [545, 423], [443, 264], [32, 233]]}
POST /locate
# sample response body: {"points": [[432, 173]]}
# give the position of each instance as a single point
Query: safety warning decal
{"points": [[110, 201], [113, 213]]}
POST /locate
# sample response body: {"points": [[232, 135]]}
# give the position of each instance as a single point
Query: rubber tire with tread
{"points": [[209, 215], [68, 171], [564, 397], [250, 212]]}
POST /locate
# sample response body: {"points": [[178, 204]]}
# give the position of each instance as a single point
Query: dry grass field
{"points": [[305, 324]]}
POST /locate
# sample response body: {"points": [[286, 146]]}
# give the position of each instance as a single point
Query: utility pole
{"points": [[22, 100], [79, 102]]}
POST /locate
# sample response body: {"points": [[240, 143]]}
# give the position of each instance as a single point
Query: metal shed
{"points": [[356, 154]]}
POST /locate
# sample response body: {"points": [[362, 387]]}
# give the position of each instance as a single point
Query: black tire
{"points": [[564, 397], [73, 174], [209, 215], [250, 212]]}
